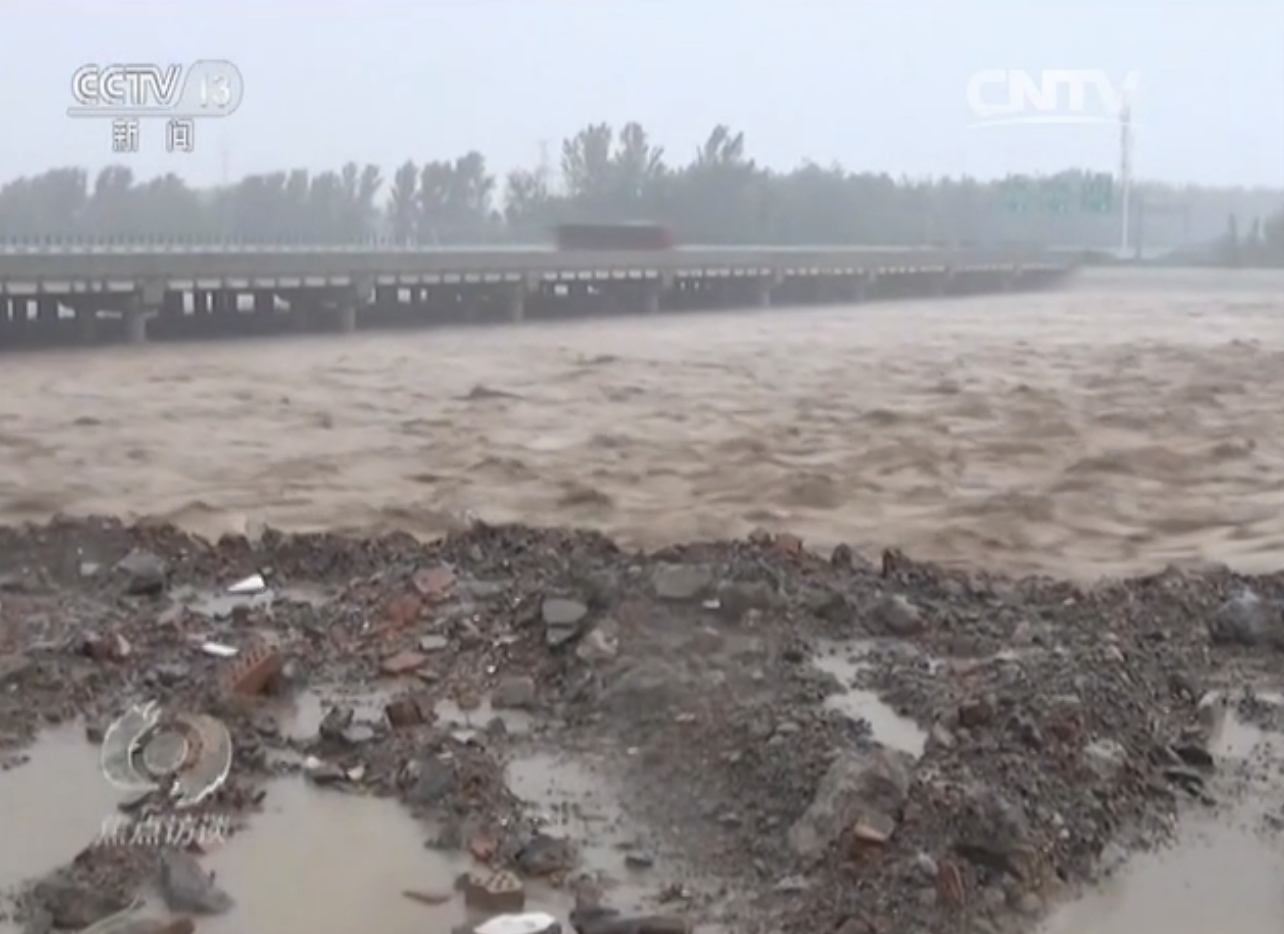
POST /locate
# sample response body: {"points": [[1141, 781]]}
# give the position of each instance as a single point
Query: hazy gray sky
{"points": [[873, 85]]}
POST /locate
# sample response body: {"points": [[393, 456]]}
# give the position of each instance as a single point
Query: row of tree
{"points": [[721, 195], [1262, 244]]}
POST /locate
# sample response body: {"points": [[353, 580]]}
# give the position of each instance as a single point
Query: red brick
{"points": [[404, 663], [405, 711], [949, 884], [499, 893], [253, 670], [403, 611], [788, 544], [434, 583]]}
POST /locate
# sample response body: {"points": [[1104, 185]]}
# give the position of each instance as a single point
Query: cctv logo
{"points": [[187, 755]]}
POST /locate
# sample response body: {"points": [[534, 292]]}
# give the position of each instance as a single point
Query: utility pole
{"points": [[1125, 174], [545, 165]]}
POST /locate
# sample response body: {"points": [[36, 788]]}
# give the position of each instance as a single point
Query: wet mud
{"points": [[740, 736]]}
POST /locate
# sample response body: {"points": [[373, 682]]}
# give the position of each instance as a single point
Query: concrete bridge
{"points": [[59, 293]]}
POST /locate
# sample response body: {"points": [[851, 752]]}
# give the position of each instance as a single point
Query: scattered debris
{"points": [[1057, 727]]}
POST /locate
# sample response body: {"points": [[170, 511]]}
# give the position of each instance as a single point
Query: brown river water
{"points": [[1132, 420]]}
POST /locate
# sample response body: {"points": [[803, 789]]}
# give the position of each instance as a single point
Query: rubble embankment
{"points": [[791, 741]]}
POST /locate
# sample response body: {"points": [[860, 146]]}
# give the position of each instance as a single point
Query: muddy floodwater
{"points": [[314, 859], [1128, 422], [1217, 877]]}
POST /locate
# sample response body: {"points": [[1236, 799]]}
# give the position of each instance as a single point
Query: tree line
{"points": [[719, 195]]}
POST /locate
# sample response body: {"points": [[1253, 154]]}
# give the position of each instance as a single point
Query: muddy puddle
{"points": [[576, 801], [844, 662], [245, 596], [318, 860], [55, 803], [1219, 876], [1224, 872]]}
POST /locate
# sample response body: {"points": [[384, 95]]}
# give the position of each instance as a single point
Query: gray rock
{"points": [[559, 611], [188, 888], [681, 582], [431, 780], [545, 855], [609, 922], [868, 786], [13, 667], [563, 619], [1248, 620], [170, 672], [647, 688], [358, 734], [895, 615], [598, 645], [991, 830], [737, 598], [433, 643], [1105, 758], [74, 906], [145, 572], [515, 693]]}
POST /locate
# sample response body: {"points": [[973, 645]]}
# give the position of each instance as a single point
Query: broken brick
{"points": [[499, 893], [403, 611], [876, 831], [254, 670], [434, 583], [404, 712], [788, 544], [482, 847], [949, 884], [112, 647], [404, 663]]}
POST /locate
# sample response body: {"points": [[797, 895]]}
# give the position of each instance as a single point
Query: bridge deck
{"points": [[53, 268]]}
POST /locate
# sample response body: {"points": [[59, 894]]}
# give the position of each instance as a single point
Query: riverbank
{"points": [[736, 735]]}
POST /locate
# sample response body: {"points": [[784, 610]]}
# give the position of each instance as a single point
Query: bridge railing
{"points": [[54, 245]]}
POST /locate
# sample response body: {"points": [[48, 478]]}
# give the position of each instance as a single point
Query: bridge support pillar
{"points": [[47, 311], [172, 307], [136, 326], [346, 316], [516, 299], [652, 290], [943, 283], [87, 323], [146, 303], [263, 303], [860, 288], [762, 292]]}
